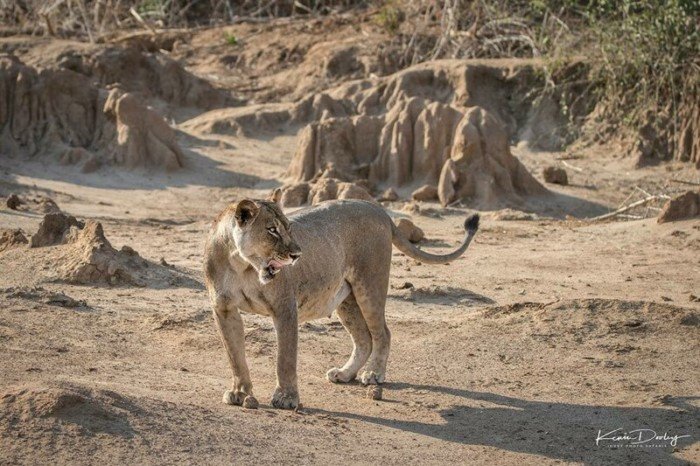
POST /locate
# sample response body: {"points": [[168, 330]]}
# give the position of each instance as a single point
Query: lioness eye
{"points": [[273, 231]]}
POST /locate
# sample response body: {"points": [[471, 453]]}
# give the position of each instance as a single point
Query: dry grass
{"points": [[642, 55], [92, 19]]}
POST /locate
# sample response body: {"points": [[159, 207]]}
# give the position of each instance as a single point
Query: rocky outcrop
{"points": [[409, 230], [60, 113], [322, 189], [143, 137], [425, 193], [481, 168], [555, 175], [464, 154], [684, 206]]}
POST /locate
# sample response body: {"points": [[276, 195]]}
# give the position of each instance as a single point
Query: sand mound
{"points": [[87, 256], [684, 206], [40, 204], [11, 239], [62, 113], [78, 252], [90, 258], [53, 230], [580, 319], [295, 195], [425, 193], [66, 408], [481, 168], [388, 195], [39, 109]]}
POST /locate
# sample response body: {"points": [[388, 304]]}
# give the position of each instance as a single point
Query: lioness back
{"points": [[349, 225]]}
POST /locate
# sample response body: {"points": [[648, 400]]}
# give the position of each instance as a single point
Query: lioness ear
{"points": [[275, 196], [246, 211]]}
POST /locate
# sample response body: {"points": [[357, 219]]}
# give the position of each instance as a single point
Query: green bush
{"points": [[389, 17], [231, 39], [648, 50]]}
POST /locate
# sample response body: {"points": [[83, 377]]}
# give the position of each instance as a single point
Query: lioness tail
{"points": [[471, 225]]}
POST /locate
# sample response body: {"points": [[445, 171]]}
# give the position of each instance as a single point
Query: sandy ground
{"points": [[549, 332], [546, 332]]}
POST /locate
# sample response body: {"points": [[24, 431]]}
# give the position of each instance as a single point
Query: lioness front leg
{"points": [[286, 394], [230, 326]]}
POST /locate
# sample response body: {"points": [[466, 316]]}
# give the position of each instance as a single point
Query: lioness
{"points": [[333, 256]]}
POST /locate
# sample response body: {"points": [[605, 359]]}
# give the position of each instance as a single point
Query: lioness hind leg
{"points": [[351, 317], [372, 307]]}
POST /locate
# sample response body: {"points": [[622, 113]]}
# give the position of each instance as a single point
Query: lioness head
{"points": [[261, 234]]}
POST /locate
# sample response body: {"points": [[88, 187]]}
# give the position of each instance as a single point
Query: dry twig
{"points": [[629, 207], [691, 183], [143, 22], [567, 164]]}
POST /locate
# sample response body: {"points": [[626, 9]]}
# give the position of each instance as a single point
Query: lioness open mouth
{"points": [[274, 266]]}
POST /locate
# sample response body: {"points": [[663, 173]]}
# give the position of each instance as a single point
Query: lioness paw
{"points": [[371, 378], [234, 398], [336, 375], [240, 399], [282, 399], [250, 402]]}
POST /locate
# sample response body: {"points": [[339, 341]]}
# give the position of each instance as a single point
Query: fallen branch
{"points": [[647, 194], [629, 207], [623, 203], [143, 22], [567, 164], [568, 157], [691, 183]]}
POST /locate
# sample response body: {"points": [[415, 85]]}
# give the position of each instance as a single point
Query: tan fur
{"points": [[344, 266]]}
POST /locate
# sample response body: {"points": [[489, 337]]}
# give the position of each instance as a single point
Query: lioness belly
{"points": [[323, 304]]}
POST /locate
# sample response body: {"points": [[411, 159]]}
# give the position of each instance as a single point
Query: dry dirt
{"points": [[550, 329]]}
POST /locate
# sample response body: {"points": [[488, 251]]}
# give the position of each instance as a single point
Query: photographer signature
{"points": [[637, 437]]}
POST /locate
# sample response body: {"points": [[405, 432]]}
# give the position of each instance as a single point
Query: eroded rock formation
{"points": [[143, 137], [464, 153], [60, 113]]}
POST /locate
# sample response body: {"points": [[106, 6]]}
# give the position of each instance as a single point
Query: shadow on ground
{"points": [[199, 170], [560, 206], [561, 431], [439, 295]]}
